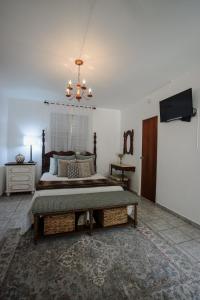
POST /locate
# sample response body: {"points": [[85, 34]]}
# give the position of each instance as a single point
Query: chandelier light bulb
{"points": [[89, 92], [68, 93], [69, 85], [83, 84], [78, 94]]}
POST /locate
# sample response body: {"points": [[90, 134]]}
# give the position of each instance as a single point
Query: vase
{"points": [[20, 158]]}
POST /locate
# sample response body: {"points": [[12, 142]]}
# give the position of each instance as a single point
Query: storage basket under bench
{"points": [[59, 214]]}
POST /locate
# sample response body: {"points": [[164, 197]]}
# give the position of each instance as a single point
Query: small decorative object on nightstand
{"points": [[123, 180], [120, 155], [20, 177], [20, 158]]}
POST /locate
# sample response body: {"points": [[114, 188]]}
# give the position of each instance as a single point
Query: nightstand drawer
{"points": [[20, 187], [20, 169], [20, 177]]}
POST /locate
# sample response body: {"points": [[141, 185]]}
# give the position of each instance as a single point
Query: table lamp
{"points": [[30, 141]]}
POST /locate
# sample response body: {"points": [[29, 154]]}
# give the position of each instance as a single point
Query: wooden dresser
{"points": [[20, 177]]}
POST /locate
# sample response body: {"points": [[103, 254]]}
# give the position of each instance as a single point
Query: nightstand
{"points": [[123, 180], [20, 177]]}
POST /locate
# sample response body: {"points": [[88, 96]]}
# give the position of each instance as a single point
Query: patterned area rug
{"points": [[120, 263]]}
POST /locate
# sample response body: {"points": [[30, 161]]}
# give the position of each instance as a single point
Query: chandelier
{"points": [[79, 90]]}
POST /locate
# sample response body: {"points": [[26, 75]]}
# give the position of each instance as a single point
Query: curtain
{"points": [[69, 129]]}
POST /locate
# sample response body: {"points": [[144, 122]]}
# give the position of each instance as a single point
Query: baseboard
{"points": [[134, 192], [179, 216]]}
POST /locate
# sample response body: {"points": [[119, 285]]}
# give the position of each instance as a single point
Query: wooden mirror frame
{"points": [[128, 135]]}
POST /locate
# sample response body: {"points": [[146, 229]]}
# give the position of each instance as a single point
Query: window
{"points": [[69, 132]]}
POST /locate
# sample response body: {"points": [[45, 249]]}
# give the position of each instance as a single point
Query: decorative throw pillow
{"points": [[72, 170], [53, 166], [84, 169], [91, 162], [70, 157], [83, 157], [62, 167]]}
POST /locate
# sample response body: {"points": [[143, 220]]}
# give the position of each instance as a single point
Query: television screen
{"points": [[177, 107]]}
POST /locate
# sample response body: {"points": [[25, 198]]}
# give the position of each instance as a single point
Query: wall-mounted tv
{"points": [[177, 107]]}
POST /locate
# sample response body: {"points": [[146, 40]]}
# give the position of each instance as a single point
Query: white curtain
{"points": [[69, 129]]}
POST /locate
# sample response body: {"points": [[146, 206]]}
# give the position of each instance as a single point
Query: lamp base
{"points": [[31, 162]]}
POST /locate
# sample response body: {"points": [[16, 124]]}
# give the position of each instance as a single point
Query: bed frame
{"points": [[46, 156]]}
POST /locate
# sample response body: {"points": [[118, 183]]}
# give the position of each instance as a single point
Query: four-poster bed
{"points": [[96, 196], [49, 182]]}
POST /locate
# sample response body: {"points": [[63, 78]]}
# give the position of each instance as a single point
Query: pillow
{"points": [[72, 170], [65, 157], [84, 169], [53, 168], [70, 157], [91, 162], [62, 167], [83, 157]]}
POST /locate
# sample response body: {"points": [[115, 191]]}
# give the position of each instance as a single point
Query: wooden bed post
{"points": [[95, 151], [43, 149]]}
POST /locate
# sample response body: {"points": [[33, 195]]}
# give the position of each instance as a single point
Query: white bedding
{"points": [[49, 177]]}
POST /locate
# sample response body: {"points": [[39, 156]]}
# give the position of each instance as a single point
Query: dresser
{"points": [[20, 177]]}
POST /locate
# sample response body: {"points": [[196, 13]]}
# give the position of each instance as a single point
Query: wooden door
{"points": [[149, 158]]}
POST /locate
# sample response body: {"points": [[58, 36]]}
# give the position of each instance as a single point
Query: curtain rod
{"points": [[69, 105]]}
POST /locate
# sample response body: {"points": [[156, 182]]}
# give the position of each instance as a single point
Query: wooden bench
{"points": [[65, 209]]}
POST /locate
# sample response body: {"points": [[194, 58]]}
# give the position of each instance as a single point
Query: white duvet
{"points": [[28, 219]]}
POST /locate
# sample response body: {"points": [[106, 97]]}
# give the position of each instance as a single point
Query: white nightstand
{"points": [[20, 177]]}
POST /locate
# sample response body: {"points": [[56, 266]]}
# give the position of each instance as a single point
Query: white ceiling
{"points": [[131, 48]]}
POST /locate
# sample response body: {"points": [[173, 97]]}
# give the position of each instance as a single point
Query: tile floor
{"points": [[173, 229], [12, 211]]}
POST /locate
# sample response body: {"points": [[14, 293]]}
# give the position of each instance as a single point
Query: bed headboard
{"points": [[46, 156]]}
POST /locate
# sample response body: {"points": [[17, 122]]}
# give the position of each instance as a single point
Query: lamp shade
{"points": [[30, 140]]}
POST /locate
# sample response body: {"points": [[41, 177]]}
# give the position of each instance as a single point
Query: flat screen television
{"points": [[179, 106]]}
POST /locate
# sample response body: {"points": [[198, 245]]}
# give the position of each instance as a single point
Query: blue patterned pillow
{"points": [[72, 170]]}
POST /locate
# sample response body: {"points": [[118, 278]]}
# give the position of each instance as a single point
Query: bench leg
{"points": [[135, 216], [91, 221], [36, 228]]}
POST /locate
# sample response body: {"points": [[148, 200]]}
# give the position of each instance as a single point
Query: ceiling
{"points": [[130, 47]]}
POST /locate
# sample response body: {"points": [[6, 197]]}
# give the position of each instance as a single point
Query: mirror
{"points": [[128, 142]]}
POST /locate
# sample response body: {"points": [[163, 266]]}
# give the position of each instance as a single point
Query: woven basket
{"points": [[59, 223], [113, 216]]}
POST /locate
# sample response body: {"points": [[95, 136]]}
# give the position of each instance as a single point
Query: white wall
{"points": [[106, 123], [178, 165], [30, 117], [3, 139], [3, 129]]}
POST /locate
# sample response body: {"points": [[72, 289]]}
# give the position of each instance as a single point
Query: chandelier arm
{"points": [[71, 98], [85, 97]]}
